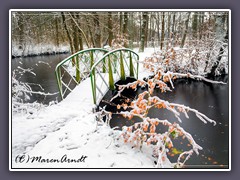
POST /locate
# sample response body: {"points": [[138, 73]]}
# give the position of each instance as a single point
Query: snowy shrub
{"points": [[197, 59], [119, 41]]}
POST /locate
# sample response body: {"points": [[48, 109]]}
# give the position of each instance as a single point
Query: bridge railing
{"points": [[113, 66], [75, 68]]}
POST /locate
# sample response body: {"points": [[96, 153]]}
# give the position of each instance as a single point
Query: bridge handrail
{"points": [[111, 52], [77, 53], [57, 68], [92, 72]]}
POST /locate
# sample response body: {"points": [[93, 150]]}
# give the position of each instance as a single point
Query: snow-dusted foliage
{"points": [[144, 132], [119, 41], [197, 59]]}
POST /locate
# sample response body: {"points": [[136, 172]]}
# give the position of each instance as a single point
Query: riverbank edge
{"points": [[42, 54]]}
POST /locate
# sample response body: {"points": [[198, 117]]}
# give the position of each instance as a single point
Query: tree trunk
{"points": [[169, 31], [150, 26], [173, 29], [68, 33], [97, 33], [110, 29], [195, 25], [209, 25], [163, 29], [153, 30], [131, 38], [219, 31], [178, 30], [57, 31], [186, 30], [120, 23], [80, 38], [39, 30], [74, 19], [146, 32], [75, 39], [201, 21], [140, 19], [144, 24], [158, 28], [21, 30], [89, 30], [125, 27]]}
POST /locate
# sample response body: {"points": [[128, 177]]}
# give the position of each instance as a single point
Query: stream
{"points": [[209, 99], [43, 67]]}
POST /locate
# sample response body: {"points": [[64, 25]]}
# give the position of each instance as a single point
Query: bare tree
{"points": [[201, 22], [131, 31], [57, 31], [195, 24], [110, 29], [80, 38], [144, 24], [146, 32], [97, 33], [120, 22], [67, 31], [163, 29], [186, 30], [173, 29], [168, 29], [125, 27], [158, 28], [21, 29], [222, 41], [89, 29]]}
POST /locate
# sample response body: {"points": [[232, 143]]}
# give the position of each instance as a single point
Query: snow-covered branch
{"points": [[144, 132], [21, 93], [195, 77]]}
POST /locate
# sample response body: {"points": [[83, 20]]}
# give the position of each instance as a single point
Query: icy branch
{"points": [[132, 85], [26, 70], [40, 93], [196, 77]]}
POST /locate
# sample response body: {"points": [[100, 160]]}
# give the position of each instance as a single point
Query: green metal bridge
{"points": [[102, 66]]}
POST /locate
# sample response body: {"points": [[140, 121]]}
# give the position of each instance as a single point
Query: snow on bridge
{"points": [[69, 129]]}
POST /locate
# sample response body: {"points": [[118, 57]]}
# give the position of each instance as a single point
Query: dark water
{"points": [[44, 75], [210, 99]]}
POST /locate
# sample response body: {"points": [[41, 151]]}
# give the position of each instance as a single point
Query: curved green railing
{"points": [[113, 66], [75, 68]]}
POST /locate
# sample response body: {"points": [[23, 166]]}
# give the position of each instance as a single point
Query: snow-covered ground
{"points": [[69, 131], [38, 49]]}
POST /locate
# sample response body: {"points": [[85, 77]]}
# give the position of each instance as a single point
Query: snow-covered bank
{"points": [[38, 49], [69, 131]]}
